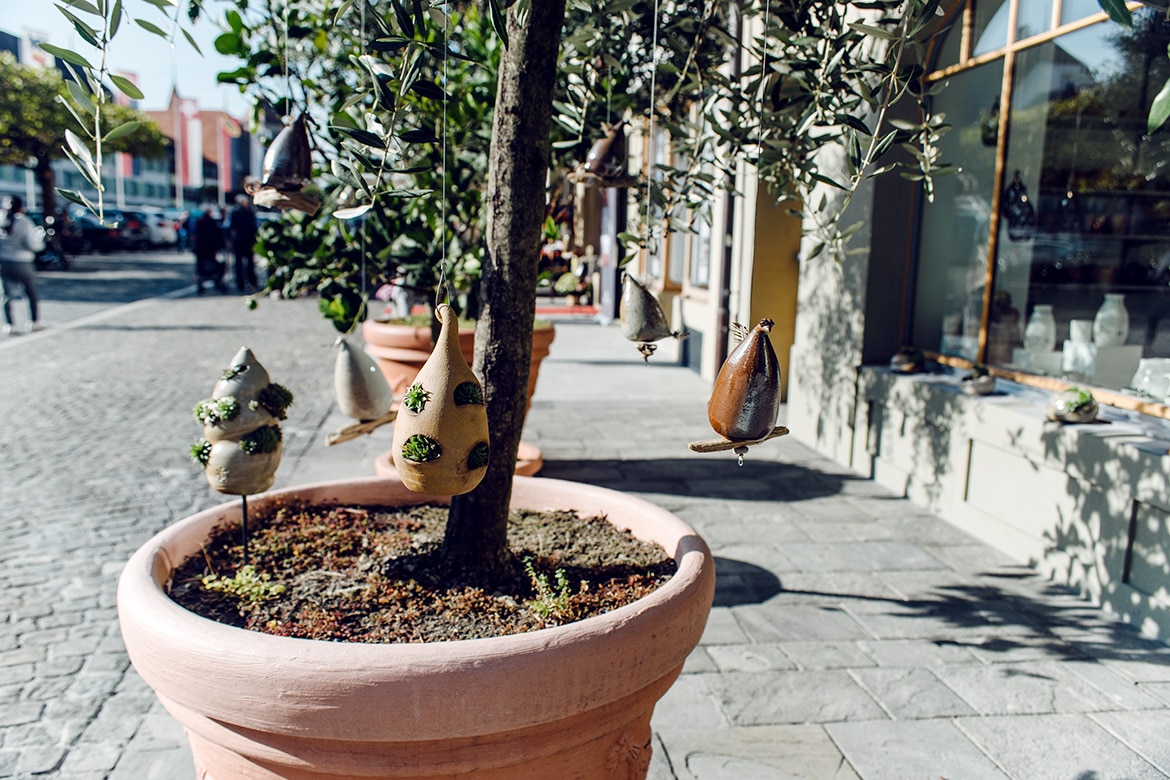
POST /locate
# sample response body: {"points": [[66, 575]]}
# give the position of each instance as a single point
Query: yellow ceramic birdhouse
{"points": [[441, 434]]}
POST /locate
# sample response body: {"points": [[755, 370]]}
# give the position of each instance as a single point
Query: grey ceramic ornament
{"points": [[360, 387], [242, 441], [642, 317]]}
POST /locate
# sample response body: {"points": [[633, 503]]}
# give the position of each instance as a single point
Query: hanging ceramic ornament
{"points": [[287, 170], [242, 442], [643, 319], [362, 393], [746, 397], [441, 434], [605, 165]]}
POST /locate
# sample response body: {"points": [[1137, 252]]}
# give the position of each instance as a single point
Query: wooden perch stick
{"points": [[722, 445], [360, 428], [275, 199]]}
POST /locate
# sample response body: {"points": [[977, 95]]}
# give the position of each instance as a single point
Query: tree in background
{"points": [[34, 120]]}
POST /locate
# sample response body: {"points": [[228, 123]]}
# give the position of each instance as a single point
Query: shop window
{"points": [[656, 252], [700, 259], [1074, 10], [1079, 202], [990, 26], [1034, 18]]}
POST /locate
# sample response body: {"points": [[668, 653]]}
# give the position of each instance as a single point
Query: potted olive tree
{"points": [[550, 703]]}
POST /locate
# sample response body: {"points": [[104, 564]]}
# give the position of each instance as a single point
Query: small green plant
{"points": [[261, 440], [213, 411], [549, 602], [232, 372], [201, 452], [568, 284], [468, 393], [479, 456], [416, 398], [274, 399], [978, 370], [421, 449], [1079, 398], [247, 585]]}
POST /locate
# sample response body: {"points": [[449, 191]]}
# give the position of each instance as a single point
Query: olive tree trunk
{"points": [[476, 538]]}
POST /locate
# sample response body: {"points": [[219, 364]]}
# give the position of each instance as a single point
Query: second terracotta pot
{"points": [[401, 351]]}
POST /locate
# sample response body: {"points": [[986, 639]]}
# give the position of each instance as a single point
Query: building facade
{"points": [[209, 156], [1046, 258]]}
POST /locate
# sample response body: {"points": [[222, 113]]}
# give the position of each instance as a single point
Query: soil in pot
{"points": [[370, 574]]}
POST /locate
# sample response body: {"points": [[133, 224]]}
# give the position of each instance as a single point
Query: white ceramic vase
{"points": [[1111, 325], [1040, 334]]}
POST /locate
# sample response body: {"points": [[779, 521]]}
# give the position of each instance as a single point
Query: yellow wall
{"points": [[775, 273]]}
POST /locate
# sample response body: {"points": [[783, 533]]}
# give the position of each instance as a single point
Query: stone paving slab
{"points": [[854, 635]]}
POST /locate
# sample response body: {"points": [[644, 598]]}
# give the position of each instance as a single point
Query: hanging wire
{"points": [[650, 129], [364, 217], [763, 90], [287, 68], [442, 294]]}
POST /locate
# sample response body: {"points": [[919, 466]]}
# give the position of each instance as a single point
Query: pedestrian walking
{"points": [[19, 245], [208, 241], [242, 230]]}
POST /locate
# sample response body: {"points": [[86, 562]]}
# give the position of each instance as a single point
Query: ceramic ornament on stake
{"points": [[642, 317], [362, 393], [242, 444], [287, 169], [441, 434], [746, 397]]}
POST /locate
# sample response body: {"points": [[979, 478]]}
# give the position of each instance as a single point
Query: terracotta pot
{"points": [[401, 351], [572, 701]]}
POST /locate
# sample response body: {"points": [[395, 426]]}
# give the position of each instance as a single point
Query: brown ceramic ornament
{"points": [[242, 442], [441, 434], [286, 172], [746, 397], [607, 156], [360, 387]]}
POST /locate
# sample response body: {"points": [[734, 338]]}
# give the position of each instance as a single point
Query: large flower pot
{"points": [[401, 351], [572, 701]]}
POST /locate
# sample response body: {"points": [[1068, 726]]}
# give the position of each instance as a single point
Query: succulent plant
{"points": [[421, 449], [468, 393], [261, 440], [213, 411], [274, 399], [479, 456], [415, 399], [201, 452]]}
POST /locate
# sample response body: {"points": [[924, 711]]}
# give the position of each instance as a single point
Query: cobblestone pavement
{"points": [[853, 634]]}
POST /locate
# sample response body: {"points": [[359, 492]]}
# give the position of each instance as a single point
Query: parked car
{"points": [[159, 227], [134, 225], [93, 236]]}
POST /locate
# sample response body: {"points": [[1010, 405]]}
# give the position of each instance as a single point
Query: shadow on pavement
{"points": [[701, 478]]}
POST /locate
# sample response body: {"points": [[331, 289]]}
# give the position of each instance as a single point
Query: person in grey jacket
{"points": [[18, 252]]}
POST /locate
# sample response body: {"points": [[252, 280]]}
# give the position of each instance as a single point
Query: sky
{"points": [[157, 64]]}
